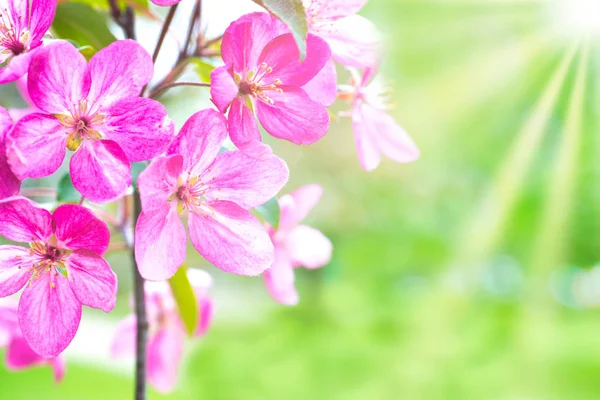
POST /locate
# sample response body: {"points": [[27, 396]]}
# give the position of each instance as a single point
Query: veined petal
{"points": [[244, 180], [323, 87], [101, 171], [231, 238], [22, 220], [49, 305], [36, 146], [308, 247], [17, 67], [123, 344], [140, 126], [20, 356], [13, 272], [355, 41], [165, 3], [159, 181], [223, 88], [160, 243], [294, 116], [9, 183], [297, 205], [279, 279], [199, 140], [77, 228], [333, 9], [165, 350], [92, 280], [42, 15], [243, 131]]}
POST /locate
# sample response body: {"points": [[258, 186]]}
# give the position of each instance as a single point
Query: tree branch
{"points": [[160, 90], [164, 30]]}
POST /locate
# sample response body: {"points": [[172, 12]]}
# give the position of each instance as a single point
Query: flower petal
{"points": [[165, 3], [205, 315], [243, 131], [22, 220], [231, 238], [160, 243], [199, 140], [223, 88], [101, 171], [140, 126], [366, 147], [333, 9], [165, 351], [354, 40], [77, 228], [36, 146], [294, 116], [279, 279], [55, 78], [42, 15], [118, 71], [244, 180], [123, 344], [308, 247], [20, 356], [12, 274], [9, 183], [323, 87], [17, 67], [159, 181], [52, 309], [59, 368], [92, 280], [297, 205]]}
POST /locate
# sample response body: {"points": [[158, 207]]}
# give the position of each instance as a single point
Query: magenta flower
{"points": [[263, 76], [217, 190], [94, 110], [165, 3], [166, 330], [61, 270], [19, 355], [295, 245], [22, 28], [354, 40], [375, 131], [9, 183]]}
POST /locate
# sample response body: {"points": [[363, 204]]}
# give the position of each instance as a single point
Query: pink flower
{"points": [[61, 270], [263, 75], [94, 110], [375, 131], [18, 353], [354, 40], [295, 245], [166, 330], [9, 183], [22, 28], [165, 3], [217, 190]]}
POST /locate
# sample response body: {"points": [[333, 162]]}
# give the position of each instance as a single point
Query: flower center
{"points": [[258, 84], [190, 194], [12, 41], [45, 258], [82, 123]]}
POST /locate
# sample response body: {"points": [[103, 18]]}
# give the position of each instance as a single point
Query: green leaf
{"points": [[203, 69], [81, 23], [184, 296], [292, 13], [87, 51], [66, 191], [271, 212]]}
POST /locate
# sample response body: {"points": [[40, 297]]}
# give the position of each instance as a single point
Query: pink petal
{"points": [[22, 220], [165, 351], [17, 67], [243, 131], [14, 269], [159, 181], [100, 171], [297, 205], [200, 140], [231, 238], [9, 183], [323, 87], [279, 279], [355, 41], [333, 9], [55, 78], [205, 315], [36, 146], [165, 3], [9, 323], [77, 228], [51, 310], [123, 344], [92, 280], [308, 247], [244, 180], [294, 116], [118, 71], [59, 368], [160, 243], [20, 356], [223, 88], [42, 15], [368, 152]]}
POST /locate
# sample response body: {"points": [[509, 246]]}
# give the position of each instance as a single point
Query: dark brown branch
{"points": [[164, 30]]}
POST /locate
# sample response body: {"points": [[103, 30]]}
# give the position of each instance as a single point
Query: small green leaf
{"points": [[203, 69], [66, 191], [87, 51], [184, 296], [292, 13], [271, 212], [81, 23]]}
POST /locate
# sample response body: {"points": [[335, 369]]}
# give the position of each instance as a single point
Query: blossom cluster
{"points": [[97, 115]]}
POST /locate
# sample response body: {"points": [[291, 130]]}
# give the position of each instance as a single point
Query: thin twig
{"points": [[38, 192], [159, 91], [195, 19], [164, 30]]}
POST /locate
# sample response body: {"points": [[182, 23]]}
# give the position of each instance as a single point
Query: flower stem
{"points": [[164, 30], [159, 91]]}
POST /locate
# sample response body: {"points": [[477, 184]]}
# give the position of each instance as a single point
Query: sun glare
{"points": [[577, 17]]}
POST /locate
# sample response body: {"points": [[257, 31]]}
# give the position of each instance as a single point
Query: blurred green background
{"points": [[466, 275]]}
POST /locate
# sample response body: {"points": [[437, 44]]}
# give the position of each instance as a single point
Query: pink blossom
{"points": [[166, 330], [61, 270], [263, 75], [94, 110], [165, 3], [19, 355], [22, 28], [217, 190], [375, 131], [295, 244], [9, 183], [354, 40]]}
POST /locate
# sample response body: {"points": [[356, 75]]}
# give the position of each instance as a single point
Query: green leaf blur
{"points": [[185, 299]]}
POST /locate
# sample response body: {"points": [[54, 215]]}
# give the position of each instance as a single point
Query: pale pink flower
{"points": [[263, 75], [354, 40], [61, 270], [22, 28], [167, 333], [296, 245], [94, 110], [375, 131], [19, 355], [9, 183], [217, 190]]}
